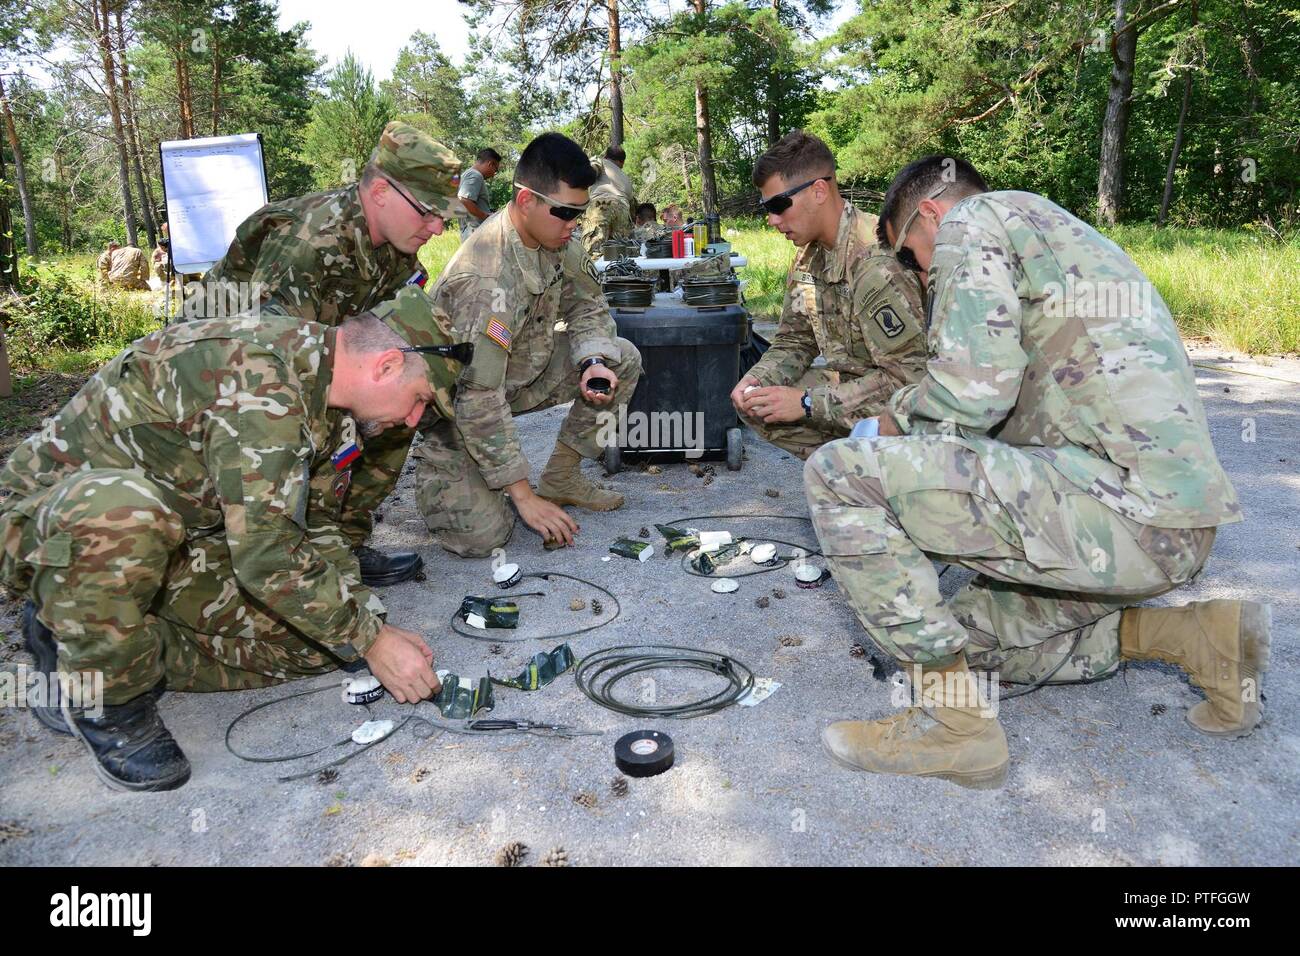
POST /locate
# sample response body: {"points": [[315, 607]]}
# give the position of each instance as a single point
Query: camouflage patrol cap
{"points": [[423, 166], [413, 316]]}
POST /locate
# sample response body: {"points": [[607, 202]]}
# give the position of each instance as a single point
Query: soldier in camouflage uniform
{"points": [[123, 267], [612, 199], [179, 519], [1058, 447], [333, 254], [847, 298], [529, 301]]}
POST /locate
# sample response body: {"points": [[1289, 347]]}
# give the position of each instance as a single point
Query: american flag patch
{"points": [[498, 333]]}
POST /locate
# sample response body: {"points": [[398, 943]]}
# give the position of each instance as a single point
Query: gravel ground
{"points": [[1103, 774]]}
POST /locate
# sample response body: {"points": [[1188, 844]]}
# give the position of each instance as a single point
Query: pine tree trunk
{"points": [[104, 37], [773, 97], [8, 248], [183, 94], [704, 137], [20, 173], [1114, 131], [133, 136], [65, 220], [615, 77], [216, 84]]}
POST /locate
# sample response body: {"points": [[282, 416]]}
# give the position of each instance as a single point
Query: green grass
{"points": [[1236, 289]]}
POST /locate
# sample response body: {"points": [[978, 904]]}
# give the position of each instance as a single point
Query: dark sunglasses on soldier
{"points": [[775, 205], [560, 210]]}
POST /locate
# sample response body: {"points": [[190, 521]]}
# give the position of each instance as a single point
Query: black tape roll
{"points": [[644, 753]]}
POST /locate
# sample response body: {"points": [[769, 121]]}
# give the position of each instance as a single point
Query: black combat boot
{"points": [[45, 649], [133, 749], [42, 646], [379, 569]]}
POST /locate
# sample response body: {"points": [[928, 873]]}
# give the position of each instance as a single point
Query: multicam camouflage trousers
{"points": [[113, 576], [471, 519], [604, 219], [1056, 566], [801, 438]]}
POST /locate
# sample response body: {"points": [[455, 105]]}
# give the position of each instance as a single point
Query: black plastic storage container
{"points": [[691, 360]]}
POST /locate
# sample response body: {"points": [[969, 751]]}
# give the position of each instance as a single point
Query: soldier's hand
{"points": [[776, 403], [549, 520], [404, 665], [598, 371], [738, 397]]}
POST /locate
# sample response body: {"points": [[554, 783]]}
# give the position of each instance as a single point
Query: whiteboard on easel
{"points": [[211, 186]]}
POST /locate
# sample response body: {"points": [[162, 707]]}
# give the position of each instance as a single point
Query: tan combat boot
{"points": [[958, 739], [563, 483], [1223, 647]]}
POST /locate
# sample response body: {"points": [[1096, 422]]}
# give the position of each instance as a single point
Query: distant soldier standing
{"points": [[609, 212], [473, 192], [528, 299], [1057, 446], [847, 298], [329, 255]]}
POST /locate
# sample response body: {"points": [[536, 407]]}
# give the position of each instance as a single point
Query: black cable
{"points": [[598, 673], [623, 294], [493, 635]]}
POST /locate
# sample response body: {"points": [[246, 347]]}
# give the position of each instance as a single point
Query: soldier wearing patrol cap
{"points": [[528, 299], [1057, 446], [178, 523], [847, 298], [333, 254]]}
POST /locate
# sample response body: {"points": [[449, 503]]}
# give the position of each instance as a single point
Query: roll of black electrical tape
{"points": [[644, 753]]}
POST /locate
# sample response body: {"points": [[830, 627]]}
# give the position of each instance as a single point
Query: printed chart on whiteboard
{"points": [[211, 185]]}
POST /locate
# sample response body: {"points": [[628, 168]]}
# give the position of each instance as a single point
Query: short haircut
{"points": [[369, 173], [918, 179], [645, 213], [617, 154], [487, 155], [553, 158], [797, 157], [366, 333]]}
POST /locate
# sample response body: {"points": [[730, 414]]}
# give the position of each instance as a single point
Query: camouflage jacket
{"points": [[313, 256], [862, 310], [516, 305], [126, 267], [612, 184], [1046, 336], [229, 417]]}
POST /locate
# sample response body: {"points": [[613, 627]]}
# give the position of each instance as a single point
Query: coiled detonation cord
{"points": [[629, 294], [598, 674], [710, 292], [493, 636]]}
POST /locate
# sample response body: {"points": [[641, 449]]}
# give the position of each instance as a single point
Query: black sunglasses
{"points": [[462, 352], [779, 203], [560, 210]]}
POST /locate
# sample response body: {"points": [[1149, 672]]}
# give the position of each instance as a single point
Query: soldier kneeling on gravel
{"points": [[1057, 446], [177, 524]]}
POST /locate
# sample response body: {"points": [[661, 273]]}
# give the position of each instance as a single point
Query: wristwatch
{"points": [[588, 363], [806, 401]]}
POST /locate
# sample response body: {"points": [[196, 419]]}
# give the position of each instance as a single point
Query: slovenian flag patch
{"points": [[345, 456], [499, 334], [419, 279]]}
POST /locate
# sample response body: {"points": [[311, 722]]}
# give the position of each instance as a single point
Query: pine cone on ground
{"points": [[585, 798], [618, 786], [512, 854], [557, 857]]}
